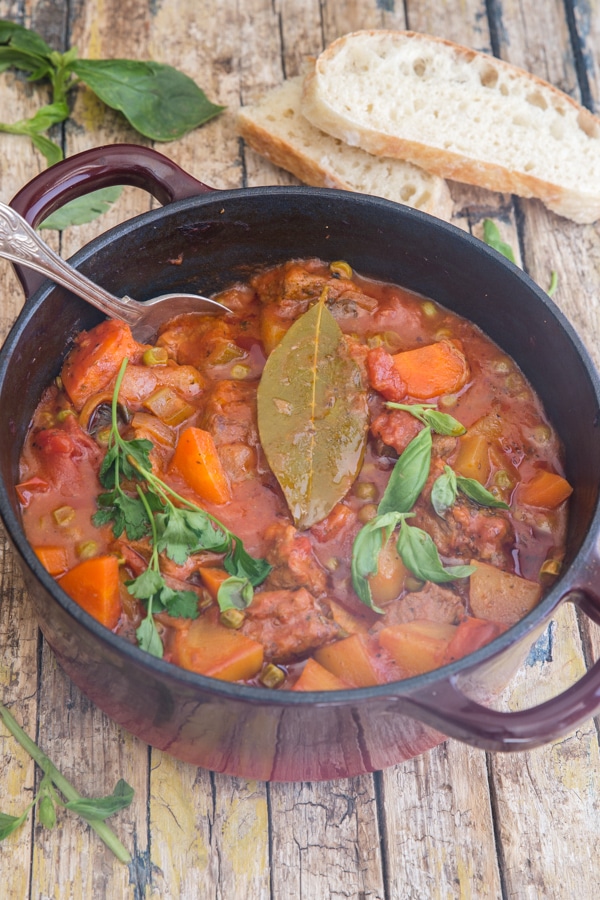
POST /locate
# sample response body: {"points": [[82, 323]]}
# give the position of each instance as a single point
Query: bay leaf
{"points": [[312, 416]]}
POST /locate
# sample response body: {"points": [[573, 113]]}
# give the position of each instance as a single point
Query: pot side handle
{"points": [[445, 707], [97, 168]]}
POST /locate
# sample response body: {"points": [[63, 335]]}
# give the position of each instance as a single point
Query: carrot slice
{"points": [[53, 558], [435, 369], [94, 585], [211, 649], [197, 461], [546, 489], [212, 579], [95, 359], [316, 677]]}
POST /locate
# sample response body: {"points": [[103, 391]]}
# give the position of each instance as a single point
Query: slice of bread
{"points": [[275, 128], [461, 114]]}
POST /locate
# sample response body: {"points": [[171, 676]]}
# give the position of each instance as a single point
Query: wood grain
{"points": [[454, 822]]}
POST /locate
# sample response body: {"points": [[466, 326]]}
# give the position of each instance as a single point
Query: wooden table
{"points": [[454, 822]]}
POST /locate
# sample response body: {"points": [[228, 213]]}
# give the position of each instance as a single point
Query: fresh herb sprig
{"points": [[428, 414], [415, 547], [158, 101], [447, 486], [178, 531], [55, 790]]}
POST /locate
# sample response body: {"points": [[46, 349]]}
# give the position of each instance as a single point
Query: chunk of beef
{"points": [[434, 603], [230, 413], [468, 531], [291, 555], [395, 428], [384, 377], [289, 624]]}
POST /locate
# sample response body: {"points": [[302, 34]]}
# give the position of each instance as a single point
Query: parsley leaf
{"points": [[177, 531]]}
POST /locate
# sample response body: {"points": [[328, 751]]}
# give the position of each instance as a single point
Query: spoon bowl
{"points": [[19, 243]]}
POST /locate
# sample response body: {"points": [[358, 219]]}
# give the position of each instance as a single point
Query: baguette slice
{"points": [[461, 114], [275, 128]]}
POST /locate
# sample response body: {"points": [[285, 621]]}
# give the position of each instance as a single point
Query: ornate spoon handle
{"points": [[19, 243]]}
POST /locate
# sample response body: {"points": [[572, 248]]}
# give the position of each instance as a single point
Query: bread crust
{"points": [[275, 128], [521, 109]]}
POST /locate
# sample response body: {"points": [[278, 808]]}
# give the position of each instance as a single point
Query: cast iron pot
{"points": [[203, 240]]}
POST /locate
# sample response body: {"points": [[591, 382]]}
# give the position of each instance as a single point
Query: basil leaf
{"points": [[159, 101], [9, 824], [419, 554], [103, 807], [235, 593], [441, 423], [367, 546], [474, 490], [23, 39], [408, 476], [553, 283], [83, 209], [491, 236], [443, 492], [49, 150]]}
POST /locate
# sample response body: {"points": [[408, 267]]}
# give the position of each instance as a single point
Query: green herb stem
{"points": [[104, 832]]}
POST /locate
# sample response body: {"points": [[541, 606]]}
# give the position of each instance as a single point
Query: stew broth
{"points": [[425, 538]]}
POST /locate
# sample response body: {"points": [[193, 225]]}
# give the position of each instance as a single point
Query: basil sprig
{"points": [[428, 414], [446, 487], [416, 549], [157, 100]]}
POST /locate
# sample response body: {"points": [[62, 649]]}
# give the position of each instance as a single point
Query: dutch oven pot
{"points": [[203, 240]]}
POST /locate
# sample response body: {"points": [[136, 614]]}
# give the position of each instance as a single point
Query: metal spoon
{"points": [[21, 244]]}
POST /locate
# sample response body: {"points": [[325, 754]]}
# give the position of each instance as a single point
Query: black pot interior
{"points": [[206, 243]]}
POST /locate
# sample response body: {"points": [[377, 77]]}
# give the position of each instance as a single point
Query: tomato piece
{"points": [[470, 635]]}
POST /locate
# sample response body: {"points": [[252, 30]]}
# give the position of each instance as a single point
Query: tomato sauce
{"points": [[326, 606]]}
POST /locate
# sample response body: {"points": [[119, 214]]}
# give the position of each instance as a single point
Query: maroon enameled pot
{"points": [[217, 237]]}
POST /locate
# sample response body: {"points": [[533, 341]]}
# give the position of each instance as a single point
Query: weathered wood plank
{"points": [[438, 828], [547, 800], [19, 635], [326, 840]]}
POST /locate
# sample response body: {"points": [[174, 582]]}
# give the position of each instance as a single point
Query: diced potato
{"points": [[418, 646], [501, 596], [473, 460], [388, 582], [316, 677], [211, 649], [349, 622], [351, 659]]}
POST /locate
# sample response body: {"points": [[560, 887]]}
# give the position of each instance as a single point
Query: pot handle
{"points": [[97, 168], [445, 707]]}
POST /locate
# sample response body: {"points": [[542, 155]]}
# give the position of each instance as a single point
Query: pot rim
{"points": [[566, 583]]}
